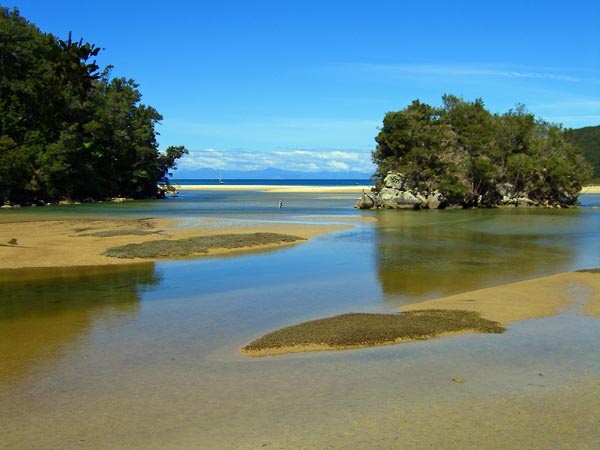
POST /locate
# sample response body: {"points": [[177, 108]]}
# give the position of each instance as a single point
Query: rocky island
{"points": [[462, 155], [396, 192]]}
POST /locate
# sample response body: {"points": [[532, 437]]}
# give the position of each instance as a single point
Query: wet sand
{"points": [[575, 292], [76, 242]]}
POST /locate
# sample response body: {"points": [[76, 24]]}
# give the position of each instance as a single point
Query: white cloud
{"points": [[295, 160], [338, 165]]}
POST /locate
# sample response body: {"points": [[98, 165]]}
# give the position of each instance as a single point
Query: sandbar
{"points": [[570, 292], [271, 188], [81, 242], [573, 292], [591, 189]]}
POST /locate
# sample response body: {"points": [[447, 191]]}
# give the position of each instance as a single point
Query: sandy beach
{"points": [[592, 189], [81, 242], [71, 242], [272, 188]]}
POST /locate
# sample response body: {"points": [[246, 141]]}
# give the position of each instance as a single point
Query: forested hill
{"points": [[68, 131], [588, 139]]}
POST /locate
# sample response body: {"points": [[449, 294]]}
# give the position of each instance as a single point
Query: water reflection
{"points": [[147, 356], [45, 312], [429, 254]]}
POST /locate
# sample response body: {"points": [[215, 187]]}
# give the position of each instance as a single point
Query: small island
{"points": [[462, 155]]}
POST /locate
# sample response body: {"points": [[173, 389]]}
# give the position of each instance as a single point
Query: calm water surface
{"points": [[147, 356]]}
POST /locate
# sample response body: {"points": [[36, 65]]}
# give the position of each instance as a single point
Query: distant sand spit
{"points": [[272, 188], [592, 189]]}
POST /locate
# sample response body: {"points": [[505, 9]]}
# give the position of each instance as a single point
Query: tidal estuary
{"points": [[148, 355]]}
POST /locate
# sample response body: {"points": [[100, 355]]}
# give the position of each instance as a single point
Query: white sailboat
{"points": [[220, 178]]}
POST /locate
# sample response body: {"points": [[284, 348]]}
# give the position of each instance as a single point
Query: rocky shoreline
{"points": [[397, 192]]}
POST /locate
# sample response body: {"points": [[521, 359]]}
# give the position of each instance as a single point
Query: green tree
{"points": [[66, 129], [477, 159], [473, 126], [588, 139], [413, 141]]}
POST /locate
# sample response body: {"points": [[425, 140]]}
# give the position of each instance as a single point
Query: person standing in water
{"points": [[280, 204]]}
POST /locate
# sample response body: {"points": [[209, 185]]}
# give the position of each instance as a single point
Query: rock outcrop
{"points": [[397, 192]]}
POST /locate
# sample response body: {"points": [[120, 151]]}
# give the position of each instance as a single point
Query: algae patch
{"points": [[366, 330], [198, 244]]}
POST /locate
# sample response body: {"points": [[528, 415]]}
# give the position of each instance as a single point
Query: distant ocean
{"points": [[278, 182]]}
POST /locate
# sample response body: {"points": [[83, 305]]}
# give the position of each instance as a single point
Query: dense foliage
{"points": [[475, 158], [68, 131], [588, 139]]}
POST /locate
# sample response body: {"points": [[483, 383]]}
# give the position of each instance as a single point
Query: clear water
{"points": [[147, 356]]}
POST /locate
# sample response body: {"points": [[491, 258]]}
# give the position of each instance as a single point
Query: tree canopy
{"points": [[474, 157], [67, 130], [588, 138]]}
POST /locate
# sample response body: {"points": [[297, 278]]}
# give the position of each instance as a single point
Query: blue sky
{"points": [[303, 85]]}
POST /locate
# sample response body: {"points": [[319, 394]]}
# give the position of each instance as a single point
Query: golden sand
{"points": [[578, 292], [75, 242], [271, 188], [590, 190]]}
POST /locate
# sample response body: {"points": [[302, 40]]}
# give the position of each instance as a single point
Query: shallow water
{"points": [[147, 356]]}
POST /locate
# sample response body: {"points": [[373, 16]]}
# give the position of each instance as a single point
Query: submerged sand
{"points": [[82, 242], [320, 409]]}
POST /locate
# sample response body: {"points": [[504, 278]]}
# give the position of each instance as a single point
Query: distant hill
{"points": [[588, 139]]}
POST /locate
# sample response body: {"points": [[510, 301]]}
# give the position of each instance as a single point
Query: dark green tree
{"points": [[66, 129], [588, 138]]}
